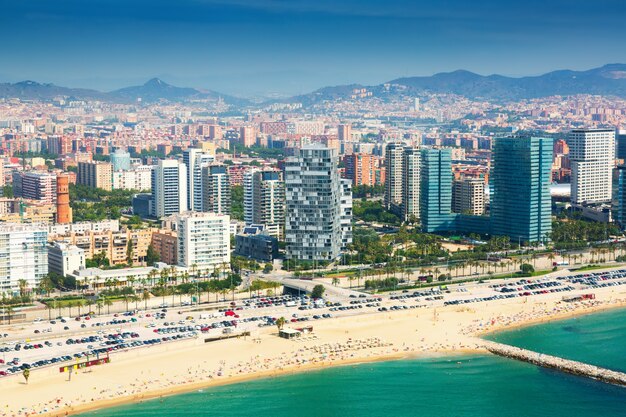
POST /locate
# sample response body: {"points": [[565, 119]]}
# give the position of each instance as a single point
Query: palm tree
{"points": [[551, 257], [135, 299], [335, 281], [108, 303], [79, 304], [23, 285], [49, 308], [280, 323], [70, 304], [145, 296], [99, 305], [151, 276], [9, 313]]}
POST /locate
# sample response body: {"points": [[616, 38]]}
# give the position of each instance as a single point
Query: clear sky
{"points": [[247, 47]]}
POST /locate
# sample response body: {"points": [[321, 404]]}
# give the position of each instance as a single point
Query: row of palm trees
{"points": [[483, 267]]}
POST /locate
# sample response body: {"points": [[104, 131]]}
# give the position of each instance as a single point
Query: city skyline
{"points": [[260, 48]]}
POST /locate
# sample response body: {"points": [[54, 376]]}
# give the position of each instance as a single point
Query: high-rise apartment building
{"points": [[203, 240], [248, 196], [195, 159], [393, 176], [264, 201], [363, 169], [346, 213], [95, 174], [411, 185], [32, 185], [592, 156], [169, 188], [216, 189], [402, 177], [23, 255], [344, 132], [247, 136], [138, 178], [520, 175], [313, 192], [468, 196]]}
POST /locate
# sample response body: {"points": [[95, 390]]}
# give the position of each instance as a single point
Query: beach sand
{"points": [[138, 375]]}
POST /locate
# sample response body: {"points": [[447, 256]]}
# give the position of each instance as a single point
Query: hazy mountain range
{"points": [[607, 80]]}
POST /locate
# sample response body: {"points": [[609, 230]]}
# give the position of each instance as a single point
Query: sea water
{"points": [[459, 386]]}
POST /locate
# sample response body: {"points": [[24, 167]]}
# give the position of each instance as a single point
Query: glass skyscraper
{"points": [[436, 191], [520, 176]]}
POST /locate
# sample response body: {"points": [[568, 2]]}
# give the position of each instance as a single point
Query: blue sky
{"points": [[248, 47]]}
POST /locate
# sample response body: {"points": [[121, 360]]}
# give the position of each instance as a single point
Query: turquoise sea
{"points": [[472, 386]]}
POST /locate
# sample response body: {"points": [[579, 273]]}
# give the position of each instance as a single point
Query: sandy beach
{"points": [[139, 375]]}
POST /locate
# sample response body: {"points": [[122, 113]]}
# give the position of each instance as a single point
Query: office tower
{"points": [[120, 160], [592, 156], [468, 196], [621, 145], [248, 196], [23, 255], [41, 186], [95, 174], [169, 188], [216, 189], [346, 213], [195, 159], [64, 211], [520, 175], [362, 169], [203, 240], [265, 204], [313, 193], [344, 132], [410, 185], [436, 190], [393, 176], [416, 104]]}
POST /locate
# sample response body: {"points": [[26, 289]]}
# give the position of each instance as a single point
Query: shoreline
{"points": [[444, 331]]}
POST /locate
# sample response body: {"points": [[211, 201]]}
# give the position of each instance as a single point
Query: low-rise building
{"points": [[64, 258]]}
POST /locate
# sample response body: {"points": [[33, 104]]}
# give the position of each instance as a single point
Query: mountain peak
{"points": [[156, 82]]}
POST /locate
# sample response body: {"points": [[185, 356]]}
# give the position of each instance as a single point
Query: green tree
{"points": [[527, 268], [318, 291]]}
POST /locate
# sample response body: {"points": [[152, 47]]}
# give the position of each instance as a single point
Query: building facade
{"points": [[216, 196], [313, 193], [592, 156], [195, 159], [521, 203], [468, 196], [203, 240], [64, 258], [95, 174], [169, 188], [23, 255]]}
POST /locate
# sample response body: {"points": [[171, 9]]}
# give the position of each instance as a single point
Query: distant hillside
{"points": [[607, 80], [152, 91], [31, 90]]}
